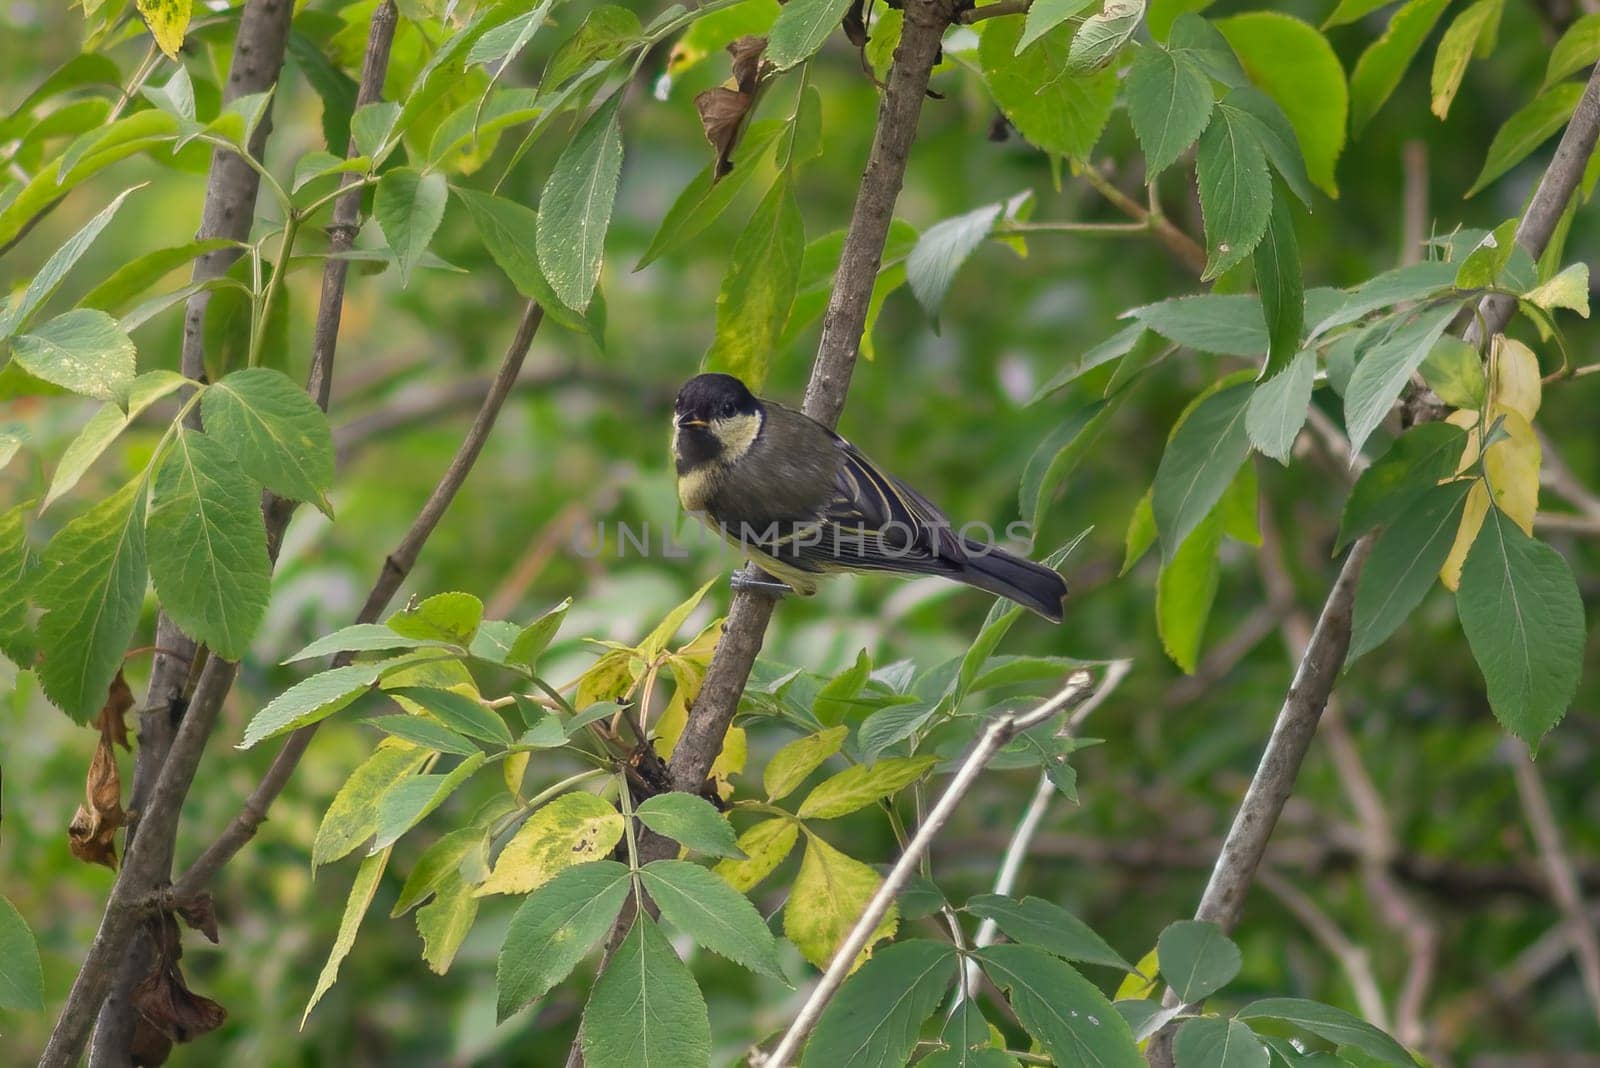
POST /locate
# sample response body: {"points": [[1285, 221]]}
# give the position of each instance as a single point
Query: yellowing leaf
{"points": [[1467, 420], [765, 845], [669, 725], [1142, 982], [1512, 466], [735, 750], [1514, 378], [1471, 520], [607, 678], [657, 639], [790, 765], [828, 898], [168, 21], [514, 768], [569, 830], [1569, 289], [858, 787]]}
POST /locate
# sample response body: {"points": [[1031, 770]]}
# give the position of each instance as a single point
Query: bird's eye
{"points": [[728, 409]]}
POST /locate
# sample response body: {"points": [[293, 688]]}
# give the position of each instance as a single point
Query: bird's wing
{"points": [[874, 522]]}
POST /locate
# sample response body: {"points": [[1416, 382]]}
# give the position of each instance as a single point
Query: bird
{"points": [[801, 503]]}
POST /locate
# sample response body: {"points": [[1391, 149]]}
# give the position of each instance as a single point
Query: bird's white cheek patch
{"points": [[694, 488], [737, 434]]}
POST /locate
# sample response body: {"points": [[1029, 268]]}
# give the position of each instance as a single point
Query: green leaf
{"points": [[1385, 60], [838, 697], [1227, 324], [445, 922], [712, 913], [1197, 959], [827, 898], [44, 284], [801, 28], [424, 732], [857, 787], [362, 637], [1235, 191], [1061, 451], [361, 893], [1056, 112], [1526, 130], [645, 1009], [1578, 48], [410, 801], [352, 816], [1523, 618], [942, 249], [1335, 1025], [17, 571], [1065, 1012], [572, 829], [1414, 464], [507, 40], [1416, 282], [1488, 259], [692, 821], [1185, 590], [1454, 371], [459, 712], [90, 585], [442, 858], [765, 845], [1384, 370], [556, 927], [760, 285], [1349, 11], [1169, 102], [134, 278], [536, 636], [445, 617], [316, 698], [1200, 460], [104, 426], [208, 549], [1210, 1042], [879, 1013], [1036, 922], [607, 31], [1278, 277], [1456, 49], [1404, 563], [510, 232], [409, 207], [1301, 97], [790, 765], [1112, 348], [84, 350], [575, 207], [370, 127], [21, 978], [176, 97], [1045, 16], [706, 197], [1102, 36], [275, 432], [1278, 407]]}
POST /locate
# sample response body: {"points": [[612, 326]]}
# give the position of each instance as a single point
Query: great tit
{"points": [[801, 502]]}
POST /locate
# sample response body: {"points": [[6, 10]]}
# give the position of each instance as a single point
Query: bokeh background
{"points": [[582, 446]]}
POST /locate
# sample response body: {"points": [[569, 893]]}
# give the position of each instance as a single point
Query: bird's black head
{"points": [[714, 418]]}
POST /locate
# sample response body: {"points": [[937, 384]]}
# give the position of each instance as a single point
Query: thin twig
{"points": [[396, 566], [995, 10], [1558, 868], [1188, 251], [1005, 880], [999, 732]]}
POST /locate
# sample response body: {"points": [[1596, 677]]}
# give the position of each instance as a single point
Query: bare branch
{"points": [[396, 566], [999, 732], [1558, 867]]}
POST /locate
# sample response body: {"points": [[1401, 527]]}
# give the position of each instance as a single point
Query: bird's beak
{"points": [[683, 421]]}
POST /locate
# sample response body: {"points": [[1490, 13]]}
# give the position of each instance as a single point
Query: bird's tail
{"points": [[1029, 584]]}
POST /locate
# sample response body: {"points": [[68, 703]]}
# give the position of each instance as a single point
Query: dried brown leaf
{"points": [[92, 833], [724, 109], [200, 913], [167, 1004], [113, 714]]}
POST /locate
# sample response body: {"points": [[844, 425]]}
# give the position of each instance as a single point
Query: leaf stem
{"points": [[291, 227]]}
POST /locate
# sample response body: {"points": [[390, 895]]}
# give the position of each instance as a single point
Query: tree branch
{"points": [[227, 212], [396, 566], [173, 758], [1223, 900], [999, 732]]}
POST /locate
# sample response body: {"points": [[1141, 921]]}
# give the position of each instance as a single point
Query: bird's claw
{"points": [[754, 580]]}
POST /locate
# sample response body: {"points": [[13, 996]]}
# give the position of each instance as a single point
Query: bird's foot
{"points": [[754, 580]]}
